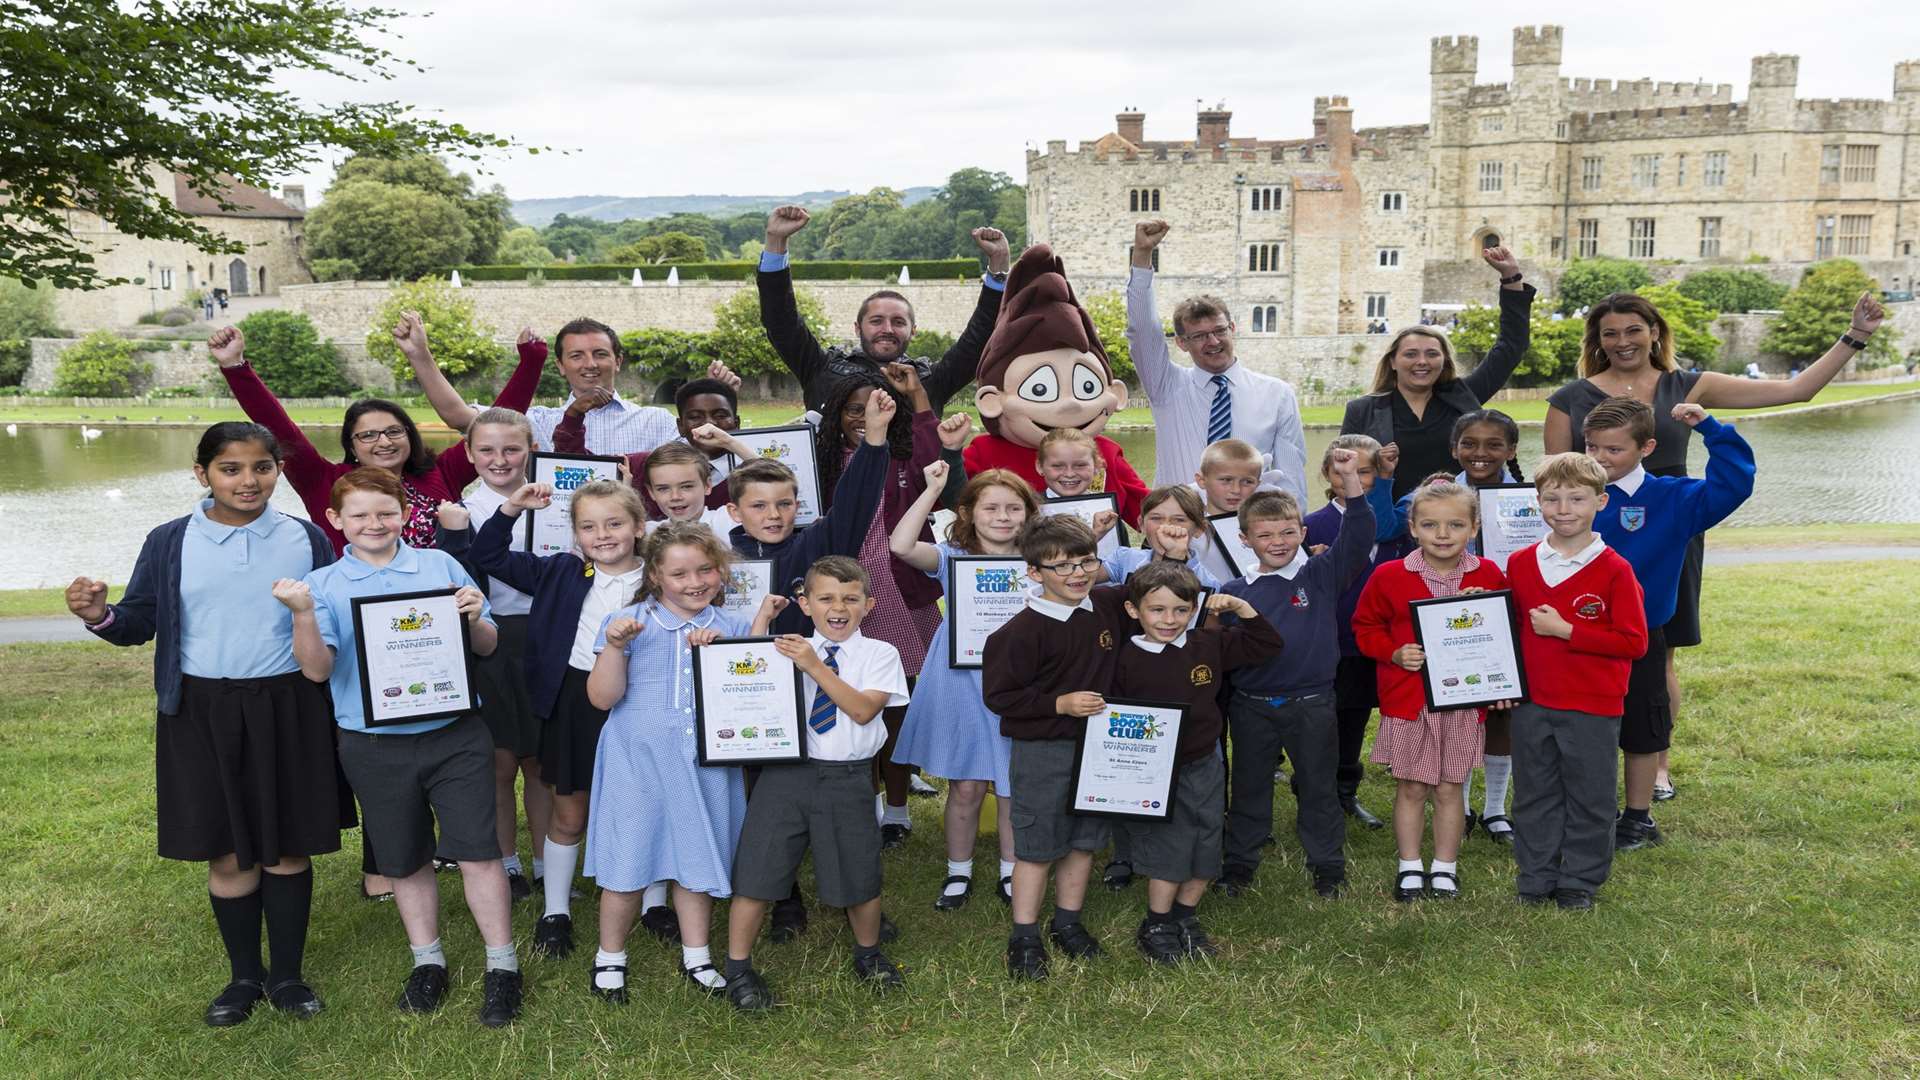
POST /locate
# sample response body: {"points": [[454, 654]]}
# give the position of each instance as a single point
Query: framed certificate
{"points": [[1473, 649], [791, 446], [1224, 530], [747, 708], [1510, 521], [983, 592], [1126, 762], [549, 531], [1200, 608], [749, 581], [1084, 507], [413, 650]]}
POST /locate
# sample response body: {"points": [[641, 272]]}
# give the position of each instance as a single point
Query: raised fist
{"points": [[228, 346], [785, 221], [1148, 234], [87, 598], [955, 430], [295, 594], [1502, 260], [411, 335]]}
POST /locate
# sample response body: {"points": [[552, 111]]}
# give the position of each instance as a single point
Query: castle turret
{"points": [[1906, 92], [1455, 61], [1537, 96], [1770, 91]]}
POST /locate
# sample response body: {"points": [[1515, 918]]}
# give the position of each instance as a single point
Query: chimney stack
{"points": [[1131, 126], [1340, 132]]}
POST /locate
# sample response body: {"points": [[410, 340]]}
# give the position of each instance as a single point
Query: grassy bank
{"points": [[1763, 940]]}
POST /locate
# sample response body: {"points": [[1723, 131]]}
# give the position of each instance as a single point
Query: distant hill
{"points": [[540, 212]]}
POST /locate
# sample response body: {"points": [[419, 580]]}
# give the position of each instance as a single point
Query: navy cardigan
{"points": [[558, 584], [839, 531], [150, 607]]}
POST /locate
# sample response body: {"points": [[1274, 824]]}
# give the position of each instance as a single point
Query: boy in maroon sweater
{"points": [[1167, 662], [1043, 673], [1588, 625]]}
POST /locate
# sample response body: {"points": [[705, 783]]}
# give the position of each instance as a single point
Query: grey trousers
{"points": [[1306, 730], [1564, 765]]}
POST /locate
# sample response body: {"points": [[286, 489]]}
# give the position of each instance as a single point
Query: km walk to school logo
{"points": [[412, 622]]}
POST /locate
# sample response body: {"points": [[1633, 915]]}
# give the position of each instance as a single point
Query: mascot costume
{"points": [[1042, 369]]}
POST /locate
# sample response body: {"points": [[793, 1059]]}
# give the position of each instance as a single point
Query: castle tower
{"points": [[1537, 99], [1770, 91], [1906, 93], [1454, 64]]}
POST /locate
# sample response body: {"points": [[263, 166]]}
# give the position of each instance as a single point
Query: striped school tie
{"points": [[1220, 417], [824, 713]]}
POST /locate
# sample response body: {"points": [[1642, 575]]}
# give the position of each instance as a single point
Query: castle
{"points": [[1328, 233]]}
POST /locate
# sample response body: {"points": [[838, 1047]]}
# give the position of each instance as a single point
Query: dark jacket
{"points": [[839, 531], [818, 369], [906, 479], [150, 608], [1372, 414], [558, 585]]}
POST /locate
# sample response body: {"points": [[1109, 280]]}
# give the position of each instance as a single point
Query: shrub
{"points": [[1691, 320], [461, 344], [15, 355], [99, 365], [334, 269], [744, 345], [737, 270], [26, 311], [1553, 349], [176, 316], [286, 350], [1819, 310], [178, 392], [1589, 281], [1733, 290], [1109, 314], [669, 355]]}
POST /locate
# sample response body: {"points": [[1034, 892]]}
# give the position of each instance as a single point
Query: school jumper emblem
{"points": [[1201, 675], [1106, 639], [1589, 606], [1299, 596], [1633, 517]]}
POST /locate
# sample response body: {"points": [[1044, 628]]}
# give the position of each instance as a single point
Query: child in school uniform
{"points": [[1650, 520], [1429, 752], [243, 742], [1168, 662], [1069, 462], [572, 595], [413, 777], [1229, 474], [711, 401], [1585, 625], [1286, 703], [949, 731], [657, 814], [1044, 672], [821, 804]]}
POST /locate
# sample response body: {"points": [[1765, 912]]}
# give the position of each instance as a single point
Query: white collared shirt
{"points": [[1053, 609], [1556, 568], [1265, 411], [1153, 646], [865, 664], [713, 517], [1289, 571], [1631, 482], [618, 427], [610, 593], [482, 503]]}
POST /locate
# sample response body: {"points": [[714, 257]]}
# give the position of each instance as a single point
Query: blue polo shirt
{"points": [[230, 625], [334, 587]]}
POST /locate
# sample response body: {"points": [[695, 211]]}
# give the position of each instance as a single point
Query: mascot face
{"points": [[1056, 388]]}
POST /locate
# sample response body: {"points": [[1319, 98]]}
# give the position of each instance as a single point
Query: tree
{"points": [[579, 237], [99, 365], [286, 350], [663, 248], [742, 343], [1109, 312], [667, 355], [1553, 349], [25, 311], [488, 213], [522, 247], [388, 231], [103, 101], [1819, 310], [1734, 290], [1588, 281], [461, 344], [1690, 320], [334, 269]]}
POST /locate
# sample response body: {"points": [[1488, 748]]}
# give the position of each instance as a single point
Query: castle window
{"points": [[1589, 244], [1709, 237], [1143, 200], [1262, 199], [1856, 233], [1389, 258], [1392, 202], [1263, 258], [166, 277], [1860, 163], [1491, 175], [1680, 170], [1560, 130], [1376, 305], [1830, 164], [1715, 174], [1266, 318], [1823, 236], [1589, 174], [1646, 170], [1640, 237], [1492, 123]]}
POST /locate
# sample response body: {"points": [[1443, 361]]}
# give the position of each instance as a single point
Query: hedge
{"points": [[817, 270]]}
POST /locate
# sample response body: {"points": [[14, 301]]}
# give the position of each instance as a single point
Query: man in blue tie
{"points": [[1218, 397]]}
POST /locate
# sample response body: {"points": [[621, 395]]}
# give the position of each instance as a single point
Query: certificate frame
{"points": [[459, 699], [961, 602], [1502, 514], [1238, 556], [792, 446], [1200, 608], [1151, 800], [1084, 506], [769, 696], [1459, 659], [541, 522], [747, 577]]}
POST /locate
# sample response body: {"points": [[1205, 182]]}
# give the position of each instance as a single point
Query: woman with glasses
{"points": [[375, 432]]}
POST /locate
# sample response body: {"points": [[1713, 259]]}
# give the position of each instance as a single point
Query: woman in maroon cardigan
{"points": [[374, 432]]}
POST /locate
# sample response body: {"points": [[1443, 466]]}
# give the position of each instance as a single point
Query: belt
{"points": [[1276, 700]]}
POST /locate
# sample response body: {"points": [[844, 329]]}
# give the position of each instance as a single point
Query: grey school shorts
{"points": [[407, 783], [823, 805], [1186, 845], [1041, 772]]}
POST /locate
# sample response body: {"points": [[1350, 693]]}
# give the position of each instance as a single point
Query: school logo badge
{"points": [[412, 621], [1106, 640], [995, 581], [1589, 606], [571, 477], [1300, 596], [1633, 517], [1201, 675], [1142, 726]]}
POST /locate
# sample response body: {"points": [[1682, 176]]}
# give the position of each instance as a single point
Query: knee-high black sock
{"points": [[288, 902], [238, 918]]}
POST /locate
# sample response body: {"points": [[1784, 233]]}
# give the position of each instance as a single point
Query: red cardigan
{"points": [[1383, 622], [312, 475], [994, 452], [905, 481], [1588, 672]]}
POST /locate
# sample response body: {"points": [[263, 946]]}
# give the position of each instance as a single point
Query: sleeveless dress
{"points": [[949, 731]]}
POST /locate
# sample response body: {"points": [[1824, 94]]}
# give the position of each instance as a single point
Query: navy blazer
{"points": [[839, 531], [150, 607], [558, 584]]}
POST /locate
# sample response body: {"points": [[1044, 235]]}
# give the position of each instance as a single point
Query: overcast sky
{"points": [[759, 98]]}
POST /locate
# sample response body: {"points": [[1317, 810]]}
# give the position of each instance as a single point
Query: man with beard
{"points": [[884, 323]]}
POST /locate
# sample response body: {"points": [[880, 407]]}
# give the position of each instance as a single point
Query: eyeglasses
{"points": [[1198, 337], [368, 438], [1077, 566]]}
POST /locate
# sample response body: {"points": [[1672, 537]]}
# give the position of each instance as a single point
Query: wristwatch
{"points": [[1853, 342], [1510, 280], [999, 276]]}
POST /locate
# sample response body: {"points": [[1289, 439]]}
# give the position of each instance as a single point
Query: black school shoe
{"points": [[1404, 893], [1534, 899], [1006, 890], [553, 936], [1075, 940], [1443, 894], [893, 836], [235, 1003], [1329, 882], [500, 998], [1027, 959], [1233, 881], [1159, 941], [878, 972], [1503, 837], [749, 992], [663, 923], [612, 995], [693, 976], [296, 999], [426, 987], [1359, 813], [947, 901], [789, 920], [1631, 835], [1573, 899], [1118, 875], [1194, 939], [1473, 818], [517, 886]]}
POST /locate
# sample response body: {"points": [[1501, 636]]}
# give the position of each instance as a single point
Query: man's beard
{"points": [[897, 345]]}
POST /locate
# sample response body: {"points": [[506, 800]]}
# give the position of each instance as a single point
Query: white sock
{"points": [[609, 980], [1466, 794], [1499, 769], [502, 958], [880, 808], [653, 896], [914, 783], [539, 862], [958, 869], [896, 815], [562, 858], [1006, 869], [430, 953], [691, 958], [1445, 868], [511, 864], [1409, 866]]}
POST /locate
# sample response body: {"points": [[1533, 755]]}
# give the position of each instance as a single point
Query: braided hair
{"points": [[830, 441], [1498, 419]]}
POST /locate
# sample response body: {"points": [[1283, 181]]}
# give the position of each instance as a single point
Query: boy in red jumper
{"points": [[1588, 626]]}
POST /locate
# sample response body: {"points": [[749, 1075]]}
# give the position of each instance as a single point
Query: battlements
{"points": [[1774, 70], [1534, 45], [1632, 124], [1455, 55], [1839, 114], [1906, 77], [1606, 95]]}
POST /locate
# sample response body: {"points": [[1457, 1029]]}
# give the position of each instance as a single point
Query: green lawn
{"points": [[1771, 936]]}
